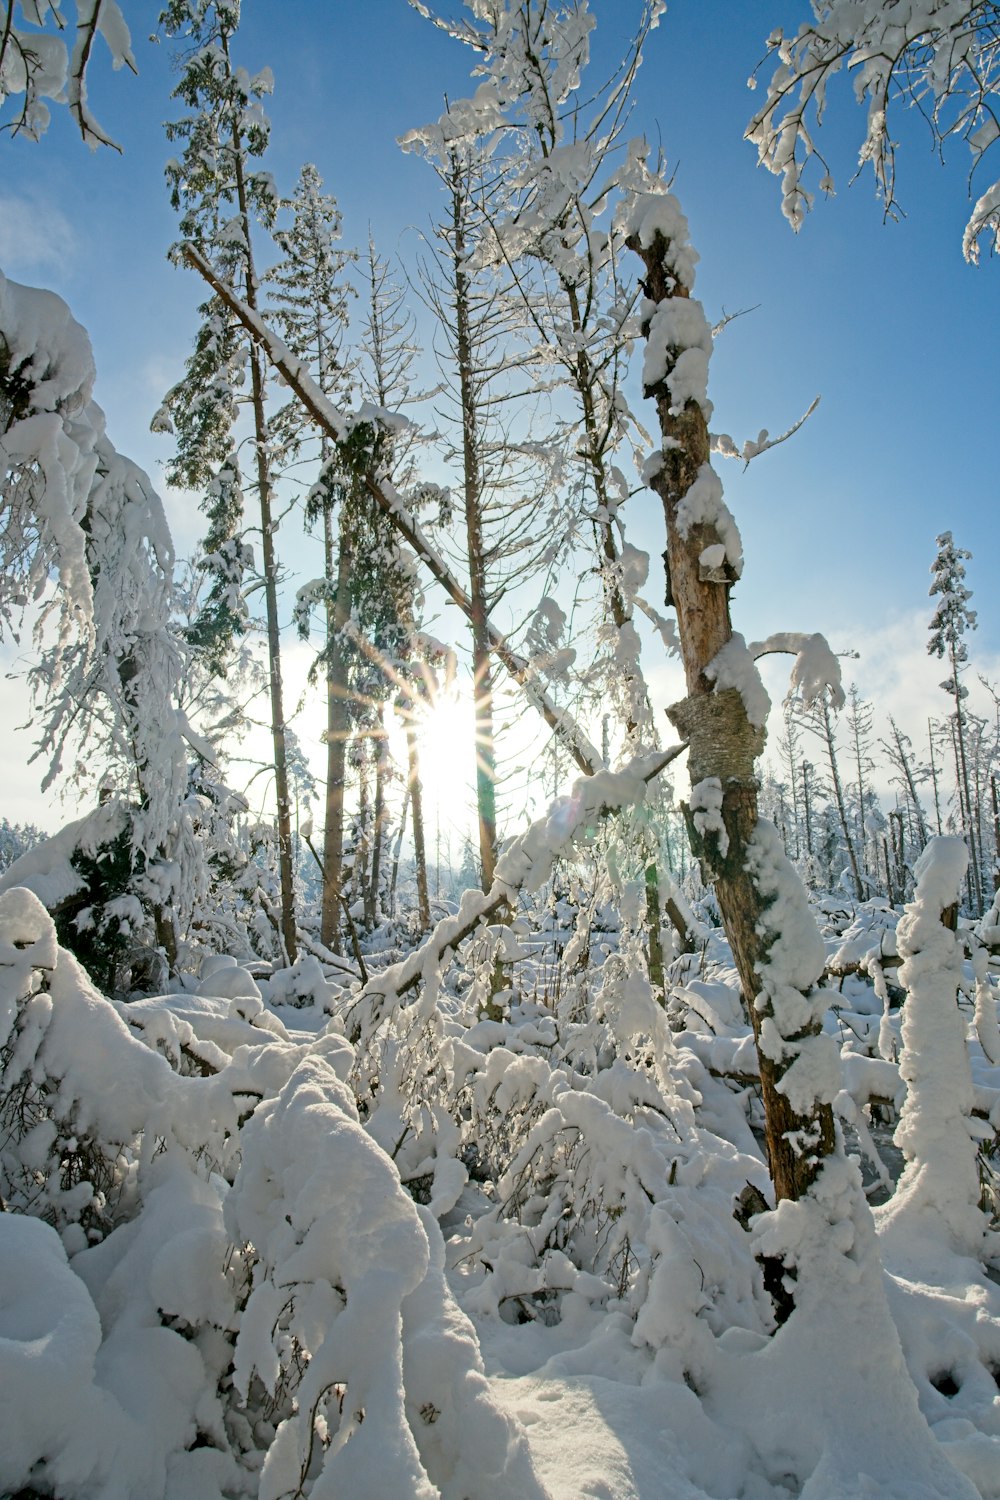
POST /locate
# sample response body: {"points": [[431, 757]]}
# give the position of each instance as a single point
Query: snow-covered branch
{"points": [[37, 67], [525, 865], [724, 445], [816, 669], [942, 56]]}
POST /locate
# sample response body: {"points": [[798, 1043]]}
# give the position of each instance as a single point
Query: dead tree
{"points": [[723, 715]]}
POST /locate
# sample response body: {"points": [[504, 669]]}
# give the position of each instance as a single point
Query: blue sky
{"points": [[885, 321]]}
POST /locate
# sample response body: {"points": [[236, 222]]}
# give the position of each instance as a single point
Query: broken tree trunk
{"points": [[763, 907]]}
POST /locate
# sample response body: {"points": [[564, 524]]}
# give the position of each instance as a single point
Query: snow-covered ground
{"points": [[283, 1237]]}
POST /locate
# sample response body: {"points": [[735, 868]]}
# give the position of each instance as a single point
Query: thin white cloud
{"points": [[892, 671], [895, 671], [35, 235], [896, 675]]}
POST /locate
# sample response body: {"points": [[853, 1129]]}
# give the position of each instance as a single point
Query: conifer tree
{"points": [[221, 194], [952, 617], [311, 302]]}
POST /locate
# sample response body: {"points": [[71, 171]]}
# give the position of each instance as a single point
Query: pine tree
{"points": [[311, 302], [221, 194], [952, 617]]}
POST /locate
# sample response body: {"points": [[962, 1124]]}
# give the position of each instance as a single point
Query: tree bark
{"points": [[723, 745], [485, 748], [269, 565], [338, 611], [419, 848]]}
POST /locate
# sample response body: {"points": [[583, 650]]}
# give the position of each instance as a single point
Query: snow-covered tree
{"points": [[563, 160], [220, 194], [109, 666], [906, 774], [724, 715], [821, 719], [940, 56], [311, 309], [952, 617], [500, 495], [940, 1181]]}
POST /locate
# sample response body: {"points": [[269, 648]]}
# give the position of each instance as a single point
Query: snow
{"points": [[47, 869], [50, 353], [927, 51], [706, 811], [816, 670], [678, 348], [941, 1183], [421, 1237], [733, 667], [860, 1431], [304, 1242], [703, 505], [652, 214]]}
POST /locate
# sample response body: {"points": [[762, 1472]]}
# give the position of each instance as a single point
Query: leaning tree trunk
{"points": [[752, 879]]}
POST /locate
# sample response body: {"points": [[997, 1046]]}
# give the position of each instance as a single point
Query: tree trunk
{"points": [[397, 850], [419, 849], [362, 842], [838, 791], [485, 749], [723, 741], [911, 787], [338, 612], [269, 565], [372, 912]]}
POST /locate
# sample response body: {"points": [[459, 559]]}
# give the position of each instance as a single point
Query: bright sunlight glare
{"points": [[446, 736]]}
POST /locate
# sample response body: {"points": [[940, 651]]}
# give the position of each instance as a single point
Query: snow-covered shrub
{"points": [[940, 1181], [213, 1281], [85, 1103], [350, 1342], [86, 876]]}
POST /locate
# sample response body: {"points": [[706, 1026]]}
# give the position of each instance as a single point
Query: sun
{"points": [[446, 740]]}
